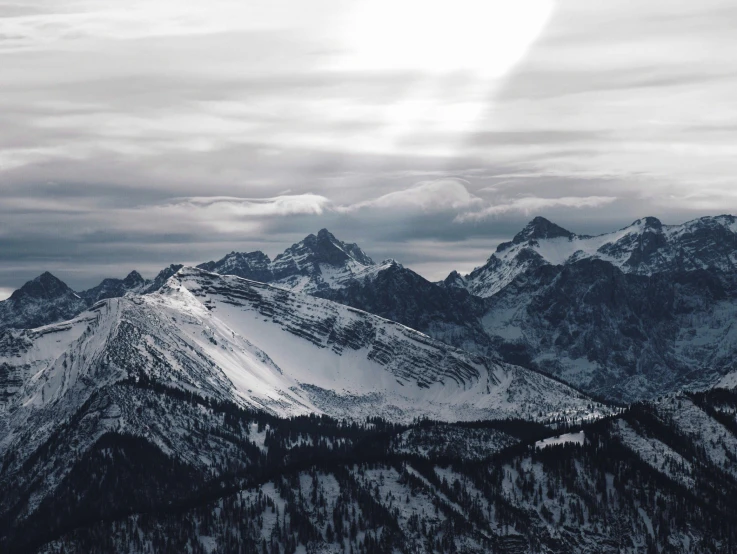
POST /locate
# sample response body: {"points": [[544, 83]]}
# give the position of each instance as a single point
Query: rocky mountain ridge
{"points": [[645, 247]]}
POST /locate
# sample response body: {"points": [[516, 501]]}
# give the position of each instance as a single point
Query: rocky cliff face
{"points": [[625, 336]]}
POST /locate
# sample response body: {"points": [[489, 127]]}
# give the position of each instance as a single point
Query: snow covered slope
{"points": [[266, 348], [293, 353], [230, 341], [644, 248]]}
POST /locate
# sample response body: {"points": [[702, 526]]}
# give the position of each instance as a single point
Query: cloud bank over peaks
{"points": [[452, 195], [448, 195], [426, 196], [534, 204]]}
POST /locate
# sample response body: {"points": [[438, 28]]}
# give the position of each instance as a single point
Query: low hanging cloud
{"points": [[308, 204], [426, 196], [534, 204], [452, 195], [226, 214]]}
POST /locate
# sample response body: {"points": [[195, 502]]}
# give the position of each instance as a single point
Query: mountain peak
{"points": [[649, 223], [324, 233], [541, 228], [324, 248], [455, 279], [133, 279], [45, 285]]}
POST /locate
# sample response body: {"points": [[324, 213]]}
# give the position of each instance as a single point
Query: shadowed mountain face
{"points": [[115, 288], [397, 293], [43, 300], [625, 336]]}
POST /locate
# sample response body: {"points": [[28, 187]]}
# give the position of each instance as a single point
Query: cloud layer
{"points": [[142, 133]]}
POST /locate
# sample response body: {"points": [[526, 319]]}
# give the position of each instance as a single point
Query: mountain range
{"points": [[323, 402], [625, 316]]}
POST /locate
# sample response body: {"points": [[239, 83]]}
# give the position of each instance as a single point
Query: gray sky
{"points": [[140, 133]]}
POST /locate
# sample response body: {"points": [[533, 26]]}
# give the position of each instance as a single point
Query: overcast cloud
{"points": [[141, 133]]}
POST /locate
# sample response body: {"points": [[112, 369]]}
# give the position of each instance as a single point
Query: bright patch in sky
{"points": [[479, 41], [486, 37]]}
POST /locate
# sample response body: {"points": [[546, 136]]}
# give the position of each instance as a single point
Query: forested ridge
{"points": [[256, 483]]}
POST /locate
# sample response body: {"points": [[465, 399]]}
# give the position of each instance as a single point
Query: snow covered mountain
{"points": [[204, 412], [222, 344], [644, 248], [627, 315], [145, 405], [318, 262], [266, 348]]}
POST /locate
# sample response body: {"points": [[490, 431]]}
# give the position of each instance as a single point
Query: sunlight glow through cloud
{"points": [[476, 42], [486, 37]]}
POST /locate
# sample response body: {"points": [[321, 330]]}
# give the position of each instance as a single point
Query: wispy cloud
{"points": [[243, 207], [427, 196], [534, 204]]}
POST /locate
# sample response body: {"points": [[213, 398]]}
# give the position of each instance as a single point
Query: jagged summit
{"points": [[645, 247], [40, 301], [249, 265], [455, 280], [133, 279], [114, 288], [45, 286], [322, 248], [541, 228], [316, 262], [648, 223]]}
